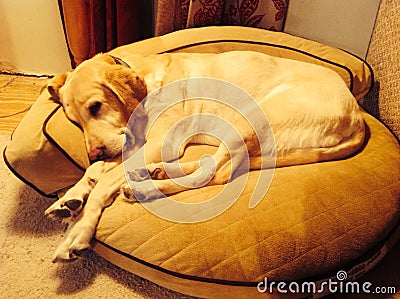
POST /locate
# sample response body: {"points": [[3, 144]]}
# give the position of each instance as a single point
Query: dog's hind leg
{"points": [[152, 189], [166, 170], [70, 205], [168, 165], [211, 170]]}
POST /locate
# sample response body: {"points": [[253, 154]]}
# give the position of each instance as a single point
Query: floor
{"points": [[17, 94]]}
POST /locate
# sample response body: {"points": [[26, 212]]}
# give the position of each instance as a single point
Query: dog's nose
{"points": [[96, 153]]}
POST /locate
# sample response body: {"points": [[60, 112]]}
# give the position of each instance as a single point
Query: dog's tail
{"points": [[344, 149]]}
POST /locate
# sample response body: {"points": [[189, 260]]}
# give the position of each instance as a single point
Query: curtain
{"points": [[93, 26], [179, 14]]}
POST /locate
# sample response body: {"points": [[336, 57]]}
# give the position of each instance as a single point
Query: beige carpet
{"points": [[27, 242]]}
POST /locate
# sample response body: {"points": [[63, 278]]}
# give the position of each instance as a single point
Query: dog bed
{"points": [[315, 220]]}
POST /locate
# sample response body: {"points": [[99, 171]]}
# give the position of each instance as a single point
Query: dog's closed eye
{"points": [[94, 108]]}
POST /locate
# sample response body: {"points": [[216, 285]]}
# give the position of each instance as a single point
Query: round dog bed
{"points": [[315, 220]]}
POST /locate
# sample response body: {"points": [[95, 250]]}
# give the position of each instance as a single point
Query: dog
{"points": [[312, 117]]}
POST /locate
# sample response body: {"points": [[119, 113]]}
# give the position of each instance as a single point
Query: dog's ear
{"points": [[104, 57], [55, 84], [128, 86]]}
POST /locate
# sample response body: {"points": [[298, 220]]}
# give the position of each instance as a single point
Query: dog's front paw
{"points": [[145, 190], [75, 244], [62, 253], [70, 253], [65, 208]]}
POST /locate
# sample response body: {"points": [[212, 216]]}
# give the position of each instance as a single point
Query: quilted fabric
{"points": [[314, 219]]}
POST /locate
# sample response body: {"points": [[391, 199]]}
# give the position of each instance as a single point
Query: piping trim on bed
{"points": [[375, 254]]}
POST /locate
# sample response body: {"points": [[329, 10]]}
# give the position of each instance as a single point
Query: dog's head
{"points": [[100, 96]]}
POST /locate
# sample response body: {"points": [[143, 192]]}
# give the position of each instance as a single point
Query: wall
{"points": [[345, 24], [31, 37]]}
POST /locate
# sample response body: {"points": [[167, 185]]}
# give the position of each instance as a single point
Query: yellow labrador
{"points": [[311, 116]]}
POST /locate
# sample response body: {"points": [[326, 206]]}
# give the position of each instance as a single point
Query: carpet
{"points": [[27, 242]]}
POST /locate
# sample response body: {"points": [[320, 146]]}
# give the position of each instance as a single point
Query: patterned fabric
{"points": [[383, 53], [267, 14]]}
